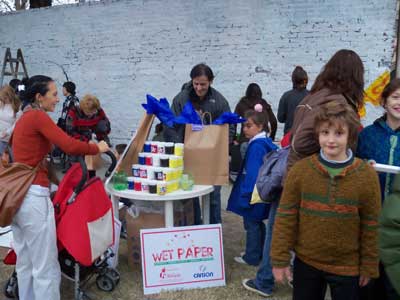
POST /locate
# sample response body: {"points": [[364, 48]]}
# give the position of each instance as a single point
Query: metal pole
{"points": [[398, 42]]}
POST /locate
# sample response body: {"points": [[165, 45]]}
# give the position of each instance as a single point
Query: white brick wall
{"points": [[121, 50]]}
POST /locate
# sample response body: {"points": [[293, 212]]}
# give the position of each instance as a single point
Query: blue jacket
{"points": [[380, 143], [239, 199]]}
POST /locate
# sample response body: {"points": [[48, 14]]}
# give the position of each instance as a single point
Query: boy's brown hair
{"points": [[89, 103], [389, 89], [335, 113]]}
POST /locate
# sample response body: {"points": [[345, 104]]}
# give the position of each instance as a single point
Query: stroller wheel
{"points": [[114, 275], [105, 282], [11, 287]]}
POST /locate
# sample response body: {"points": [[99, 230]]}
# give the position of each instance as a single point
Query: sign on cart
{"points": [[182, 258]]}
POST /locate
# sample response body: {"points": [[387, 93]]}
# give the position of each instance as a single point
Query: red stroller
{"points": [[85, 231]]}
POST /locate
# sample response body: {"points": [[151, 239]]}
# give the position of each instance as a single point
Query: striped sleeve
{"points": [[370, 206], [286, 222]]}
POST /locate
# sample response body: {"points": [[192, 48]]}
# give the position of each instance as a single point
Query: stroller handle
{"points": [[113, 163], [84, 177]]}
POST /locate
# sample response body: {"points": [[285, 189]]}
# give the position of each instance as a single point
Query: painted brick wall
{"points": [[121, 50]]}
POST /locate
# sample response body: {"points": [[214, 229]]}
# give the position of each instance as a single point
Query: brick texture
{"points": [[121, 50]]}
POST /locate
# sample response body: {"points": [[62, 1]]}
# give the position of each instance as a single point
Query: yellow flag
{"points": [[373, 93]]}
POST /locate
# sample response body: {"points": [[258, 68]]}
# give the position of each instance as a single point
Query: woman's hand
{"points": [[282, 274], [103, 146]]}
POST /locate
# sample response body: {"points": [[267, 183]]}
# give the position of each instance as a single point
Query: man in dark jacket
{"points": [[206, 101]]}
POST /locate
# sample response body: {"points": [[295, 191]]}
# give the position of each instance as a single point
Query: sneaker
{"points": [[251, 286], [240, 260], [290, 283], [242, 253]]}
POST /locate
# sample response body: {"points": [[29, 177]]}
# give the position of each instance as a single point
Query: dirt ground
{"points": [[130, 286]]}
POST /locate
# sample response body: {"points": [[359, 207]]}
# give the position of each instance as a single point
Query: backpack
{"points": [[269, 180]]}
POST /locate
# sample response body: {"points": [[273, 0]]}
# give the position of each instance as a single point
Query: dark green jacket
{"points": [[389, 235]]}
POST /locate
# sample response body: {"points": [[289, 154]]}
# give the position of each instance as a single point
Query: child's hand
{"points": [[280, 274], [363, 281]]}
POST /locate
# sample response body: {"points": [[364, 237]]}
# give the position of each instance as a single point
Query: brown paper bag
{"points": [[206, 154], [136, 145]]}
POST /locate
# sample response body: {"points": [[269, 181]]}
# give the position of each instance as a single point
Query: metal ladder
{"points": [[14, 66]]}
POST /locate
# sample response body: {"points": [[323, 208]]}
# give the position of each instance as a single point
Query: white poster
{"points": [[182, 258]]}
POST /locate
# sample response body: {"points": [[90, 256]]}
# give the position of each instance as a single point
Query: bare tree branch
{"points": [[7, 5]]}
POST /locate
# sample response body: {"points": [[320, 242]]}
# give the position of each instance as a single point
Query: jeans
{"points": [[264, 279], [215, 207], [255, 237], [310, 283]]}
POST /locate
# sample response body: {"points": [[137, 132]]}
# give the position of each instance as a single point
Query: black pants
{"points": [[310, 283]]}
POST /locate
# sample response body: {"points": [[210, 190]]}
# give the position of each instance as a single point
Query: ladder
{"points": [[14, 66]]}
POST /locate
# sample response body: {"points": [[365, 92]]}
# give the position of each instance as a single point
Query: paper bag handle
{"points": [[203, 116]]}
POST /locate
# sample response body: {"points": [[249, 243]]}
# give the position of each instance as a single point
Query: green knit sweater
{"points": [[330, 223]]}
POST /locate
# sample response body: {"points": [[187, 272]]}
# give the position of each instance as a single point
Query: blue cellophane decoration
{"points": [[163, 112]]}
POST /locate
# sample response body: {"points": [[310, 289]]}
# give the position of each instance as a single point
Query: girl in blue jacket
{"points": [[239, 199], [381, 143]]}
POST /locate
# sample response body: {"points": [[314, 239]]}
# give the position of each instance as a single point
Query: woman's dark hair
{"points": [[343, 74], [14, 83], [202, 70], [34, 85], [70, 87], [253, 92], [389, 89], [299, 78]]}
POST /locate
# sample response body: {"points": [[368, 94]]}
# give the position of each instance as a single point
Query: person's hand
{"points": [[282, 274], [363, 281], [103, 146]]}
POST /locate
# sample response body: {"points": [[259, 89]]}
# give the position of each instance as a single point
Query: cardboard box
{"points": [[152, 216]]}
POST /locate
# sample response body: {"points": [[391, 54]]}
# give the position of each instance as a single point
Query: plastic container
{"points": [[164, 161], [131, 180], [152, 186], [154, 147], [120, 182], [147, 147], [186, 182], [161, 188], [179, 149], [169, 148], [136, 170], [142, 158], [161, 148]]}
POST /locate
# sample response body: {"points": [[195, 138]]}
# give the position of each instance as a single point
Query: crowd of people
{"points": [[322, 229]]}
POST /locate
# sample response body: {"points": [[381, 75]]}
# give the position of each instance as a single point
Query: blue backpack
{"points": [[270, 176]]}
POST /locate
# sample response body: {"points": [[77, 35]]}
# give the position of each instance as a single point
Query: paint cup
{"points": [[131, 183], [137, 185], [145, 186], [150, 173], [142, 158], [180, 161], [161, 188], [164, 161], [161, 148], [158, 174], [147, 147], [178, 149], [156, 160], [167, 174], [152, 187], [154, 147], [143, 172], [149, 159], [173, 161], [136, 170], [169, 148]]}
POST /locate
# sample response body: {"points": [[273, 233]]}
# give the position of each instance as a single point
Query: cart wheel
{"points": [[105, 282], [11, 288], [114, 275]]}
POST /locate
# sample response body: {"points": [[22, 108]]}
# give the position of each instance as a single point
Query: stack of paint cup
{"points": [[159, 168]]}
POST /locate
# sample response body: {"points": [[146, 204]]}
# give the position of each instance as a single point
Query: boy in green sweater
{"points": [[328, 215]]}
